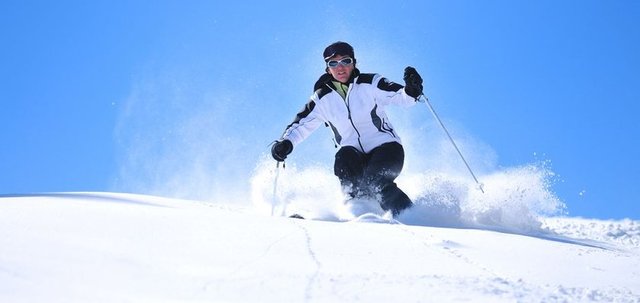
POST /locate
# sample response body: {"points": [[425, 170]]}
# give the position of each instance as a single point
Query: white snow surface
{"points": [[113, 247]]}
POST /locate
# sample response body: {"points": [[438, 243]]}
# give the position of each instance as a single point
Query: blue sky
{"points": [[133, 95]]}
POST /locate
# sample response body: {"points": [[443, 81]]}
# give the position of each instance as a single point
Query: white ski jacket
{"points": [[359, 119]]}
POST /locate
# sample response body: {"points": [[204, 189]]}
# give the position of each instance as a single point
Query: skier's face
{"points": [[342, 70]]}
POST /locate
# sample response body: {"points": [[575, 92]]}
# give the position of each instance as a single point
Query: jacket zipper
{"points": [[346, 102]]}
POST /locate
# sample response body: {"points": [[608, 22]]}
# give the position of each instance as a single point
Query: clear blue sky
{"points": [[126, 95]]}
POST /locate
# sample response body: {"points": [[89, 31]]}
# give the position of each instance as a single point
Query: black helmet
{"points": [[338, 48]]}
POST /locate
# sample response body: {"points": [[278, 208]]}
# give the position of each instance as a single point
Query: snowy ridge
{"points": [[106, 247], [623, 232]]}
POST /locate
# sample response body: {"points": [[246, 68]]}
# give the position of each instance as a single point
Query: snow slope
{"points": [[109, 247]]}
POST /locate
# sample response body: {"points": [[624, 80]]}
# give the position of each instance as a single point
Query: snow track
{"points": [[77, 248], [317, 265]]}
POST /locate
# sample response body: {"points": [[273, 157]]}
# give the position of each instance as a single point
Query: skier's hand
{"points": [[281, 149], [413, 82]]}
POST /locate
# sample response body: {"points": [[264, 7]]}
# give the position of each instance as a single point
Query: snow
{"points": [[113, 247]]}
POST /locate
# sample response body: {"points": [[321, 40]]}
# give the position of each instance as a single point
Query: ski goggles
{"points": [[344, 62]]}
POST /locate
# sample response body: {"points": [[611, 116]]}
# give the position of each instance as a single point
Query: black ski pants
{"points": [[372, 174]]}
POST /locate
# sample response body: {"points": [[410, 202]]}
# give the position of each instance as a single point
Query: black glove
{"points": [[413, 82], [281, 149]]}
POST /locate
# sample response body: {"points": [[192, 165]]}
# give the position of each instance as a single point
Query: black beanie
{"points": [[338, 48]]}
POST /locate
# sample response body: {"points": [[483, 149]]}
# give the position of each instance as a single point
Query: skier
{"points": [[353, 104]]}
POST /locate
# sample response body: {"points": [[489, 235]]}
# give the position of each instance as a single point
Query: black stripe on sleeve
{"points": [[389, 86], [303, 113], [365, 78]]}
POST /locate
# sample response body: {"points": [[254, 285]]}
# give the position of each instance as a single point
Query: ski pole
{"points": [[480, 185], [274, 200]]}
